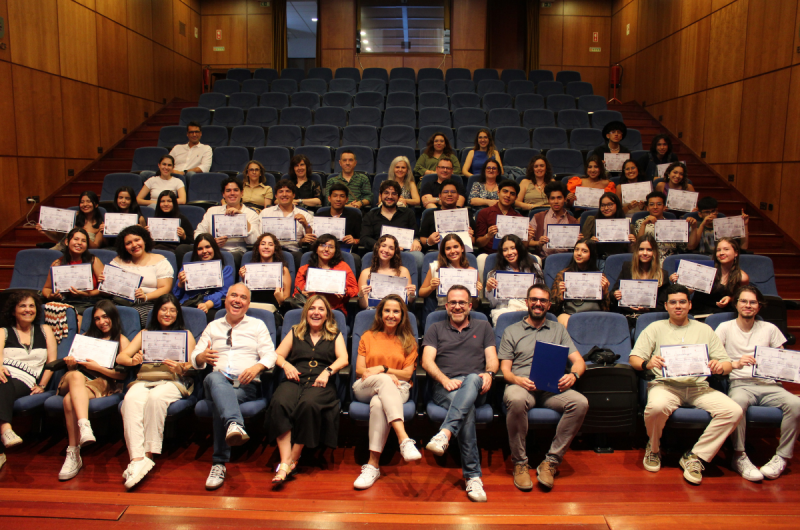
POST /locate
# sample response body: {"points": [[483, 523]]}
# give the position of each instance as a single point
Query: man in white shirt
{"points": [[190, 158], [285, 192], [740, 338], [239, 348], [232, 205]]}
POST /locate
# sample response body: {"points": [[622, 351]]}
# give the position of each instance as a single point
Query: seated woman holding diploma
{"points": [[584, 259]]}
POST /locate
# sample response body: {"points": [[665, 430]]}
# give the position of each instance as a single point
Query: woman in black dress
{"points": [[305, 408]]}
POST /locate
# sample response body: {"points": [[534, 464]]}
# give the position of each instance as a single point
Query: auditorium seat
{"points": [[431, 85], [114, 181], [457, 73], [525, 102], [505, 117], [338, 99], [509, 75], [275, 159], [573, 119], [217, 135], [247, 136], [331, 116], [461, 100], [300, 116], [548, 138], [212, 100], [601, 117], [467, 116], [402, 73], [146, 159], [489, 86], [276, 100], [198, 115], [585, 139], [568, 76], [465, 136], [226, 86], [230, 160], [401, 135], [32, 267], [229, 117], [171, 135], [365, 158], [204, 189], [485, 74], [401, 99], [375, 73], [519, 157], [284, 86], [496, 100], [326, 74], [632, 140], [388, 153], [255, 86], [372, 85], [433, 99], [326, 135], [267, 74], [363, 135], [460, 85], [554, 264], [318, 86], [435, 116], [559, 102], [400, 116], [348, 73], [602, 329], [517, 87], [243, 100], [309, 100], [366, 116], [508, 137], [239, 74], [537, 76], [549, 88], [424, 74], [260, 116], [577, 89], [285, 135], [592, 103], [565, 161], [296, 74], [402, 85], [343, 85], [319, 155], [369, 99], [193, 213]]}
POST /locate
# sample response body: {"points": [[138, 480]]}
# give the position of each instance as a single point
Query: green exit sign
{"points": [[264, 4], [595, 50], [219, 48]]}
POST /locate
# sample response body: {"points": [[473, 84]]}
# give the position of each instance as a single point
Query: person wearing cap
{"points": [[614, 132]]}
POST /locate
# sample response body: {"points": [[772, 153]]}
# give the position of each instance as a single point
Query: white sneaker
{"points": [[87, 436], [409, 450], [128, 470], [746, 469], [137, 471], [72, 464], [10, 439], [216, 478], [773, 468], [369, 475], [475, 490], [236, 435], [438, 444]]}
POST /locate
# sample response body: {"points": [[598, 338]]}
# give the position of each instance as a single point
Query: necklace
{"points": [[678, 327]]}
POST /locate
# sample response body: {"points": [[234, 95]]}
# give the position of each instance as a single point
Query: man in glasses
{"points": [[430, 190], [665, 395], [239, 348], [521, 394], [448, 200], [285, 192], [390, 215], [461, 358], [740, 338], [190, 158]]}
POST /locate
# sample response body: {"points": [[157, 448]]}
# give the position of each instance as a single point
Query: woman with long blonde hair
{"points": [[400, 170]]}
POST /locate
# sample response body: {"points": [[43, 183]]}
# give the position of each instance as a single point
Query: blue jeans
{"points": [[225, 410], [460, 419]]}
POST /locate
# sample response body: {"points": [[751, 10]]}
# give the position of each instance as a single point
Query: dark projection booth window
{"points": [[398, 26]]}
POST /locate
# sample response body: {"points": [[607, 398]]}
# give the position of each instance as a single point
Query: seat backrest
{"points": [[297, 74], [510, 74], [365, 158], [320, 154], [525, 102], [469, 116], [465, 136], [519, 156], [267, 74], [632, 140], [348, 73], [554, 264], [573, 119], [496, 100], [592, 103], [440, 316], [519, 87], [273, 158], [507, 137], [613, 267], [761, 271], [336, 116], [402, 135], [309, 100], [212, 100], [457, 73], [366, 116], [171, 256], [370, 99], [114, 181], [402, 85], [300, 116], [577, 89], [559, 102], [429, 73], [230, 159], [292, 318], [435, 116], [217, 135], [645, 320], [261, 116], [239, 74], [247, 136], [373, 85], [431, 85], [718, 318], [488, 86], [535, 118], [205, 187], [255, 86], [226, 86], [243, 100], [343, 85], [285, 135], [317, 86], [403, 73], [503, 118], [338, 99], [460, 85], [375, 73], [603, 329], [400, 116], [565, 161], [198, 115], [549, 138], [433, 99], [585, 139], [364, 135], [31, 268], [193, 213], [229, 117], [327, 135], [389, 153], [568, 76], [276, 100], [601, 117], [549, 88], [401, 99], [425, 134], [462, 100], [538, 76], [485, 74], [284, 86], [171, 135], [326, 74]]}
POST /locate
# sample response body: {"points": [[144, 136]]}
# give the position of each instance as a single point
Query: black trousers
{"points": [[10, 392]]}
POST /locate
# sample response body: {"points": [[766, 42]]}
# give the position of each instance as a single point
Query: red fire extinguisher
{"points": [[206, 79], [615, 80]]}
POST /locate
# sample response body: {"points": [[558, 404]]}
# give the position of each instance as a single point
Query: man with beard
{"points": [[390, 215], [521, 395], [461, 358]]}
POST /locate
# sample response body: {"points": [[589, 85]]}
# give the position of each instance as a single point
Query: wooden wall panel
{"points": [[693, 62], [694, 10], [763, 122], [162, 23], [551, 37], [223, 7], [136, 109], [556, 8], [596, 75], [468, 31], [721, 137], [140, 17], [5, 54], [112, 55], [387, 61], [471, 59], [37, 113], [657, 20], [254, 7], [195, 44], [116, 10], [334, 59], [233, 39], [8, 132], [77, 41], [113, 117], [597, 8], [10, 202], [163, 74], [417, 62], [180, 15], [337, 27], [187, 78], [76, 165], [628, 89], [770, 35], [33, 32], [717, 4], [666, 113], [39, 176], [761, 183], [507, 34], [796, 56], [691, 111], [81, 119], [791, 148], [140, 66], [616, 5], [727, 45], [578, 39], [789, 216], [259, 40], [625, 43], [91, 4]]}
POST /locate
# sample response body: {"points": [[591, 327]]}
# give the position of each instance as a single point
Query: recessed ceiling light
{"points": [[366, 41], [363, 33], [314, 19], [369, 49]]}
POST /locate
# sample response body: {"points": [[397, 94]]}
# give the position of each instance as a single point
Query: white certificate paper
{"points": [[56, 219], [512, 224], [203, 274], [732, 227], [778, 364], [612, 230], [588, 197], [681, 201], [330, 225], [103, 352], [638, 293], [562, 236], [263, 276], [456, 220], [229, 225], [636, 191], [696, 276], [662, 169], [449, 277], [284, 228], [164, 228], [158, 346], [119, 282], [405, 236], [326, 281], [114, 223], [383, 285], [583, 286], [672, 231], [684, 360], [513, 285], [614, 161], [77, 276]]}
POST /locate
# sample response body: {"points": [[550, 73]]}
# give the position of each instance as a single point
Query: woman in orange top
{"points": [[387, 357], [595, 178]]}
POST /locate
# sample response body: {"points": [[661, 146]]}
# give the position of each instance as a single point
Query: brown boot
{"points": [[522, 478], [546, 473]]}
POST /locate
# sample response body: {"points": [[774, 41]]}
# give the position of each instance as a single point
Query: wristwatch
{"points": [[644, 364], [329, 370], [385, 369], [491, 374], [300, 201], [576, 376]]}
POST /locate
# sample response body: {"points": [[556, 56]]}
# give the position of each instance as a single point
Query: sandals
{"points": [[287, 469]]}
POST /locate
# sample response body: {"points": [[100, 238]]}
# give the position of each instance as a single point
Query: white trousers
{"points": [[144, 411]]}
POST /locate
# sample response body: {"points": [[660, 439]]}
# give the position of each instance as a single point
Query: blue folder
{"points": [[547, 365]]}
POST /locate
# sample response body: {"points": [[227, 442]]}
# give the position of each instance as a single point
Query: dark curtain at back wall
{"points": [[280, 43], [508, 33]]}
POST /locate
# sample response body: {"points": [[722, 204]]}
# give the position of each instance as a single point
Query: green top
{"points": [[429, 163], [359, 186]]}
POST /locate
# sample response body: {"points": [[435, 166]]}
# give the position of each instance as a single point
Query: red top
{"points": [[487, 218], [337, 301], [94, 278]]}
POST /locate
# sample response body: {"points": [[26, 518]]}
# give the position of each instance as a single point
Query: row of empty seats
{"points": [[494, 100]]}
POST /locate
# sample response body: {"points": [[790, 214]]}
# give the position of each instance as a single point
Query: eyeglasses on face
{"points": [[444, 168], [539, 300], [607, 206], [458, 304], [748, 303]]}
